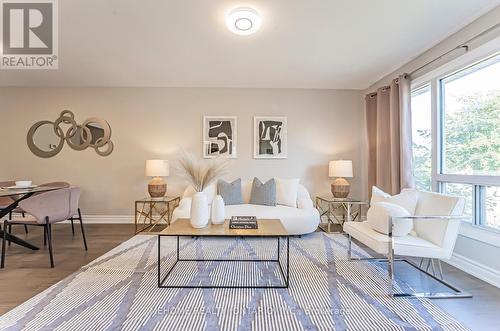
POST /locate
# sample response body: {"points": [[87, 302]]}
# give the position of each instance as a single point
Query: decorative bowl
{"points": [[23, 183]]}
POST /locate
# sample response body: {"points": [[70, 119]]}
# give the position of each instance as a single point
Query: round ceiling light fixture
{"points": [[243, 21]]}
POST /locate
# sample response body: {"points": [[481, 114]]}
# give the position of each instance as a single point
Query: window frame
{"points": [[473, 229], [423, 86]]}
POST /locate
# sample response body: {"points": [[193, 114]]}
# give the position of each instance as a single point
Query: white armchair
{"points": [[436, 224]]}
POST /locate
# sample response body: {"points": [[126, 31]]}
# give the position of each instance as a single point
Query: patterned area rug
{"points": [[118, 291]]}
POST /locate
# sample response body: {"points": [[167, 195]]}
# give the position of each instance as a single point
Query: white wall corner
{"points": [[485, 273]]}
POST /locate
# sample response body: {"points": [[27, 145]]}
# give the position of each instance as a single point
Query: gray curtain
{"points": [[388, 125]]}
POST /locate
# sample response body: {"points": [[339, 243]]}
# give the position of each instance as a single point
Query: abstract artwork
{"points": [[270, 138], [219, 136]]}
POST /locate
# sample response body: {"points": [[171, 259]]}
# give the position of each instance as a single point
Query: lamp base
{"points": [[157, 187], [340, 188]]}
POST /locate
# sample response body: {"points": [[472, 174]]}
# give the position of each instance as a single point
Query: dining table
{"points": [[17, 195]]}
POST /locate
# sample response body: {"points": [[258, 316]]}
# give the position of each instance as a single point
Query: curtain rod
{"points": [[386, 87], [463, 45]]}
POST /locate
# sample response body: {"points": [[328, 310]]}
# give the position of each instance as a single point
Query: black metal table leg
{"points": [[278, 257], [287, 261], [159, 258], [285, 279], [162, 280]]}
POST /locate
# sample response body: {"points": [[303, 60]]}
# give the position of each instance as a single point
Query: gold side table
{"points": [[337, 211], [153, 211]]}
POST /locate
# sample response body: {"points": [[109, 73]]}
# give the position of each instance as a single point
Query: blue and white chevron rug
{"points": [[118, 291]]}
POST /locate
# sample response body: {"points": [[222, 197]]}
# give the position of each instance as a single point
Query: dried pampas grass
{"points": [[201, 173]]}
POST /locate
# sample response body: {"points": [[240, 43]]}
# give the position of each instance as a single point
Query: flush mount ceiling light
{"points": [[243, 21]]}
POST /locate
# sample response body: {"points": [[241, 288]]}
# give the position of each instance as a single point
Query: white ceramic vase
{"points": [[218, 212], [199, 210]]}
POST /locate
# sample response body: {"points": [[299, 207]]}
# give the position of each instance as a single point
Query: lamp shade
{"points": [[340, 168], [157, 168]]}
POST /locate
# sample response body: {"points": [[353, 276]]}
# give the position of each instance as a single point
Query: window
{"points": [[421, 135], [471, 123], [461, 190], [491, 206], [456, 135]]}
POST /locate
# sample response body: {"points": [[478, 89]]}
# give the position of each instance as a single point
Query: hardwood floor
{"points": [[28, 273], [481, 312]]}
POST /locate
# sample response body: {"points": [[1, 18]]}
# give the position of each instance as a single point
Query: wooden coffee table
{"points": [[268, 228]]}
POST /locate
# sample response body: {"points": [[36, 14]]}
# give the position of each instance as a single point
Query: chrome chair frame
{"points": [[453, 294]]}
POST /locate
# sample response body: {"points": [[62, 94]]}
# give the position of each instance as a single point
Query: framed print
{"points": [[219, 136], [270, 137]]}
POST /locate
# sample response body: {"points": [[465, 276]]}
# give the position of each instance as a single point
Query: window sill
{"points": [[479, 233]]}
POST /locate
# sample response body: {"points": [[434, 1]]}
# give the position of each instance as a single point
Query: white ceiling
{"points": [[338, 44]]}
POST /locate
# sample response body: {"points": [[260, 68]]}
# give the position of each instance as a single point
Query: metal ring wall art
{"points": [[94, 132]]}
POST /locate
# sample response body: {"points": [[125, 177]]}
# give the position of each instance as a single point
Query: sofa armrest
{"points": [[305, 203]]}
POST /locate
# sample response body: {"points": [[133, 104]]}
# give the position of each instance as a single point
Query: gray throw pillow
{"points": [[230, 192], [263, 194]]}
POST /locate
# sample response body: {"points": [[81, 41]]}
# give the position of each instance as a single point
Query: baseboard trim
{"points": [[476, 269], [114, 219]]}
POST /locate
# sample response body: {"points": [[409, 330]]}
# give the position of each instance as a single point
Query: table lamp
{"points": [[157, 169], [340, 169]]}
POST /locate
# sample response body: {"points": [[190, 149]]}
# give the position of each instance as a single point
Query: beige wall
{"points": [[158, 122]]}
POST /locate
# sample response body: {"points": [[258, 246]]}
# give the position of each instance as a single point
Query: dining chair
{"points": [[45, 209], [61, 185], [6, 201], [58, 184]]}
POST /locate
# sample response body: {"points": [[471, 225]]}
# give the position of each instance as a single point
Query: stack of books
{"points": [[243, 222]]}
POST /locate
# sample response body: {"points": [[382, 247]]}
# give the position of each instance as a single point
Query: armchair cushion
{"points": [[379, 216], [407, 245], [441, 233], [434, 204], [407, 199]]}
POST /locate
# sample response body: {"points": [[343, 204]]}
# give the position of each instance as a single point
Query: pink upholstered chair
{"points": [[6, 201], [22, 212], [46, 209]]}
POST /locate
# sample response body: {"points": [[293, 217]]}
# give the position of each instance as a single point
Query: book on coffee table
{"points": [[243, 222]]}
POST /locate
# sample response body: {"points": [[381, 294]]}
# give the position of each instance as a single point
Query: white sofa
{"points": [[298, 221]]}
